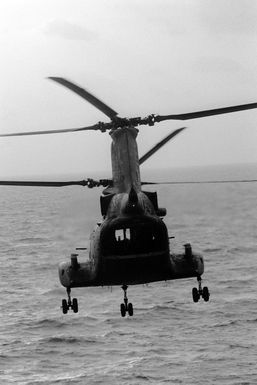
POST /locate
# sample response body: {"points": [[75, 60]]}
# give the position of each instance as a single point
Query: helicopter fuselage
{"points": [[131, 244]]}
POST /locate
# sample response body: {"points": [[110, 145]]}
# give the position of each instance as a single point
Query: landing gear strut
{"points": [[126, 307], [200, 292], [70, 304]]}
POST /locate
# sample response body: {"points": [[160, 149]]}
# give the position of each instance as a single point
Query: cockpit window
{"points": [[121, 234]]}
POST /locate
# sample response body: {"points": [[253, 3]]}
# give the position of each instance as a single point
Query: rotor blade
{"points": [[202, 114], [160, 144], [42, 183], [94, 127], [89, 182], [204, 182], [86, 95]]}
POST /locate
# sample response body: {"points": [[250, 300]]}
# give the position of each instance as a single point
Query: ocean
{"points": [[170, 339]]}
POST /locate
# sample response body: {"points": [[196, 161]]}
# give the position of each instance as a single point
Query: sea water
{"points": [[170, 339]]}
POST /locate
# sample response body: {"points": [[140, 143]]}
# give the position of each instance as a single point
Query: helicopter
{"points": [[130, 245]]}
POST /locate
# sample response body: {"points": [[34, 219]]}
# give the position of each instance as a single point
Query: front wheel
{"points": [[195, 294], [75, 305], [65, 306]]}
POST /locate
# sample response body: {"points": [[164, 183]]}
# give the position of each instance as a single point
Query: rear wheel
{"points": [[130, 309], [206, 294], [122, 309]]}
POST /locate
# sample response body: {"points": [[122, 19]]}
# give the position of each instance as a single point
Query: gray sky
{"points": [[138, 56]]}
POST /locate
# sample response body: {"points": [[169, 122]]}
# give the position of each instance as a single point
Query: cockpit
{"points": [[140, 237]]}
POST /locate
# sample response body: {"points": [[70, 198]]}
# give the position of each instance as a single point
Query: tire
{"points": [[206, 294], [195, 294], [64, 306], [122, 309], [130, 309], [75, 305]]}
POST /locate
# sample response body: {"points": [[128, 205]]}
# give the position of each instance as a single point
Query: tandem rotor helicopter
{"points": [[130, 246]]}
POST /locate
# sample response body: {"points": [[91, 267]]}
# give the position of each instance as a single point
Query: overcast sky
{"points": [[138, 56]]}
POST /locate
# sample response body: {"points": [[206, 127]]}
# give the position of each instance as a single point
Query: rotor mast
{"points": [[125, 161]]}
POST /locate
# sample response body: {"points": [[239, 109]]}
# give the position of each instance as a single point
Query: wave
{"points": [[62, 322], [234, 322], [225, 324], [64, 339], [32, 240], [242, 249], [213, 250], [46, 323]]}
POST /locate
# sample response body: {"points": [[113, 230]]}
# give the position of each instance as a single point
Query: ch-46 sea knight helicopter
{"points": [[130, 246]]}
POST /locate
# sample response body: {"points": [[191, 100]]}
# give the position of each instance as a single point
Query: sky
{"points": [[138, 56]]}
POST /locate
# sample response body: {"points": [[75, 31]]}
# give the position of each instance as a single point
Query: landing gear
{"points": [[200, 292], [70, 304], [126, 307]]}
